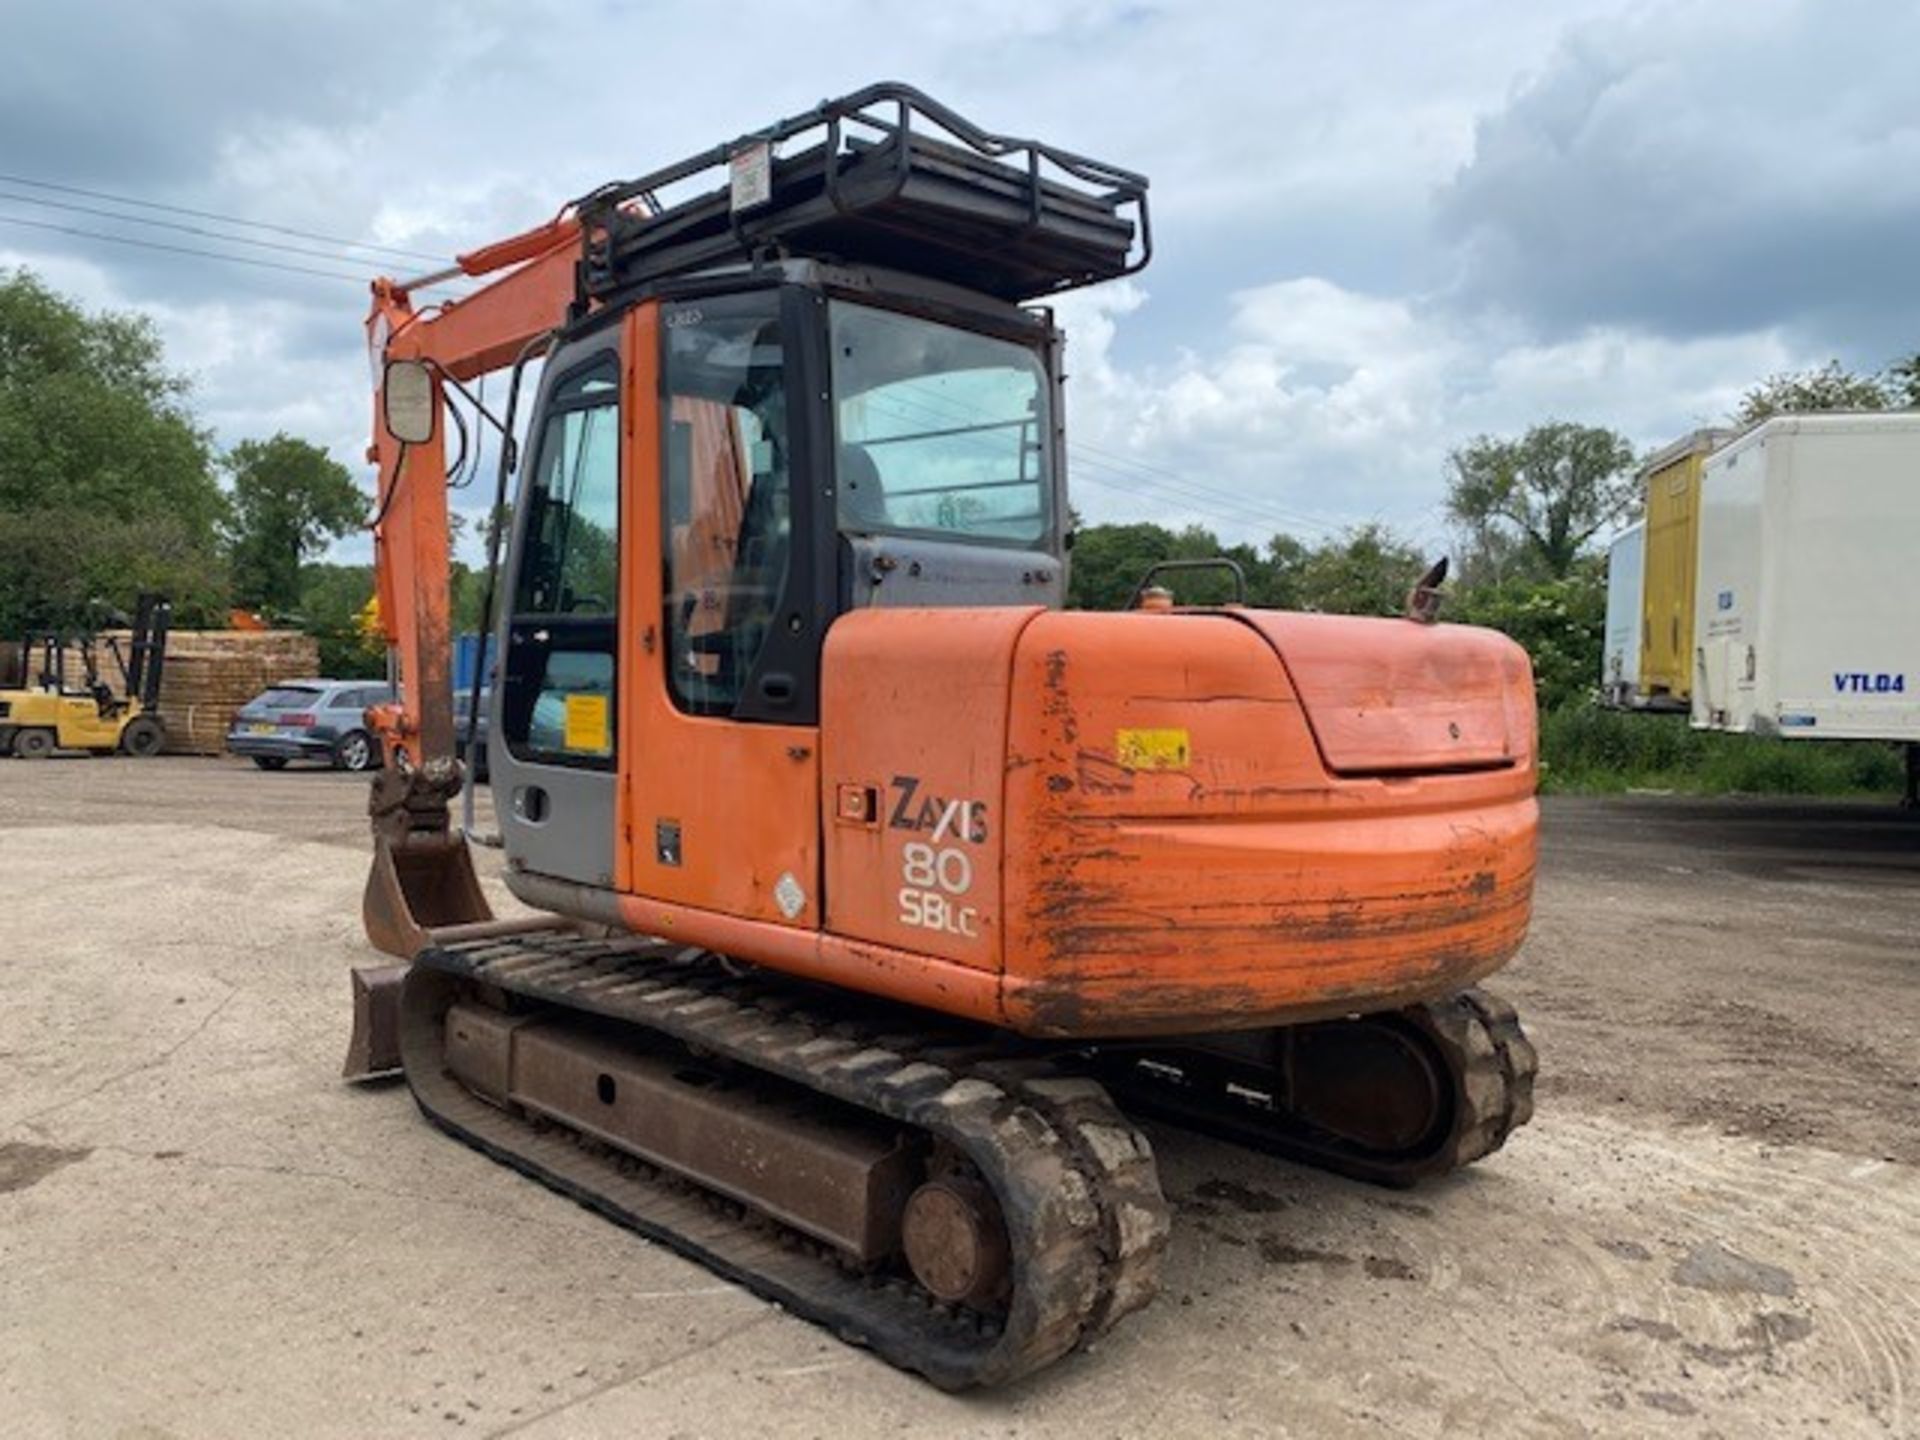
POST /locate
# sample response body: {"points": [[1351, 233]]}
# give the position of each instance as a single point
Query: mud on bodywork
{"points": [[1220, 873]]}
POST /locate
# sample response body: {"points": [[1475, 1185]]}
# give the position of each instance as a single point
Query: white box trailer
{"points": [[1807, 607], [1620, 659]]}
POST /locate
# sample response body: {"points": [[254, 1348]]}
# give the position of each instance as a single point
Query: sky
{"points": [[1380, 229]]}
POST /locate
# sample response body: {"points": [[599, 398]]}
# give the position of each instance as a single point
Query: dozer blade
{"points": [[374, 1050]]}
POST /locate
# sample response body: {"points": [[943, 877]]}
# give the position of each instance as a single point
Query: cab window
{"points": [[559, 700], [573, 532], [728, 498], [939, 430]]}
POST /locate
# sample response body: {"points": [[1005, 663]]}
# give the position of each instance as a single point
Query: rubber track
{"points": [[1497, 1073], [1076, 1182], [1478, 1039]]}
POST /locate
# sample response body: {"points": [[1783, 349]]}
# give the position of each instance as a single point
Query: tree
{"points": [[332, 599], [106, 483], [1828, 388], [1366, 571], [1561, 623], [1903, 382], [1554, 489], [1489, 553], [289, 499], [1108, 561]]}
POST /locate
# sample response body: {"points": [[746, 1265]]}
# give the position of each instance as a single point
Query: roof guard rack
{"points": [[884, 176]]}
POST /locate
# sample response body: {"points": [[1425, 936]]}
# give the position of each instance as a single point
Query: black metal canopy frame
{"points": [[884, 176]]}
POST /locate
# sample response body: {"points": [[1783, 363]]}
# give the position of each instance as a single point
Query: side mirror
{"points": [[406, 401]]}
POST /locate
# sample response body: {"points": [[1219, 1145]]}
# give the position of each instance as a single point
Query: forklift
{"points": [[50, 715]]}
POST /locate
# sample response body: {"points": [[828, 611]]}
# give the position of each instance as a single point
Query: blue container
{"points": [[467, 653]]}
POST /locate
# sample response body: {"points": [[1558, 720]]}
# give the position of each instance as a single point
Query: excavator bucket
{"points": [[421, 891], [419, 886]]}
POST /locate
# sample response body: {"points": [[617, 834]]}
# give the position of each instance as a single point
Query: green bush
{"points": [[1561, 623], [1586, 748]]}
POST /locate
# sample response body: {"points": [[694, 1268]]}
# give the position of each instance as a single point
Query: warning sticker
{"points": [[1153, 749], [750, 175], [587, 727]]}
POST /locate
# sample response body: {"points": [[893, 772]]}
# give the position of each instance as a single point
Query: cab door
{"points": [[555, 704], [719, 743]]}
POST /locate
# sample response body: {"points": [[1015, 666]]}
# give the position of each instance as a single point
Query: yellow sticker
{"points": [[587, 723], [1153, 749]]}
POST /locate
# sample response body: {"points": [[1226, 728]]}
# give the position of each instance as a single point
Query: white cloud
{"points": [[1322, 407], [1381, 229]]}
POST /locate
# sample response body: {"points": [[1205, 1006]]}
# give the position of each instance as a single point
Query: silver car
{"points": [[321, 720]]}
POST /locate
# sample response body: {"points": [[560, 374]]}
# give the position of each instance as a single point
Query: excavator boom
{"points": [[422, 881]]}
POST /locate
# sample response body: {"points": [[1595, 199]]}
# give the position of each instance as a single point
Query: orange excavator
{"points": [[876, 892]]}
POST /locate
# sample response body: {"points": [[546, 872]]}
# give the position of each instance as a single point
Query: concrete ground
{"points": [[1711, 1228]]}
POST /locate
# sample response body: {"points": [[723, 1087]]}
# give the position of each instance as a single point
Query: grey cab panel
{"points": [[911, 570], [556, 817]]}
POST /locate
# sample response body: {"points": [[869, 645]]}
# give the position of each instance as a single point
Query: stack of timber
{"points": [[209, 675]]}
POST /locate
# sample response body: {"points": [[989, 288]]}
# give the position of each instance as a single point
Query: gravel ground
{"points": [[1711, 1228]]}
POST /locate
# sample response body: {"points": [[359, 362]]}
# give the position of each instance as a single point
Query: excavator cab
{"points": [[818, 440], [857, 406]]}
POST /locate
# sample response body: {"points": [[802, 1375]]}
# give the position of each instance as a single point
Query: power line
{"points": [[276, 245], [1221, 511], [1203, 499], [1264, 511], [1242, 510], [182, 249], [224, 219], [1121, 463], [361, 279]]}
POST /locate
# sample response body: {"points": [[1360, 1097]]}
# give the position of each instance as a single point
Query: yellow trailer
{"points": [[1672, 480]]}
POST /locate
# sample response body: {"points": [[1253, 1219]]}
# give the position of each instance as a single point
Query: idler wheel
{"points": [[956, 1242]]}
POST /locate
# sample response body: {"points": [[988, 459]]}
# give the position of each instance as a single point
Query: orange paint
{"points": [[1073, 824], [904, 975], [1168, 850], [915, 712], [742, 800], [468, 337], [1254, 885]]}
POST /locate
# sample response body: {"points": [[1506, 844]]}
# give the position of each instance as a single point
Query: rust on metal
{"points": [[1392, 1098], [956, 1241], [374, 1049], [1081, 1201], [422, 875], [837, 1177]]}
